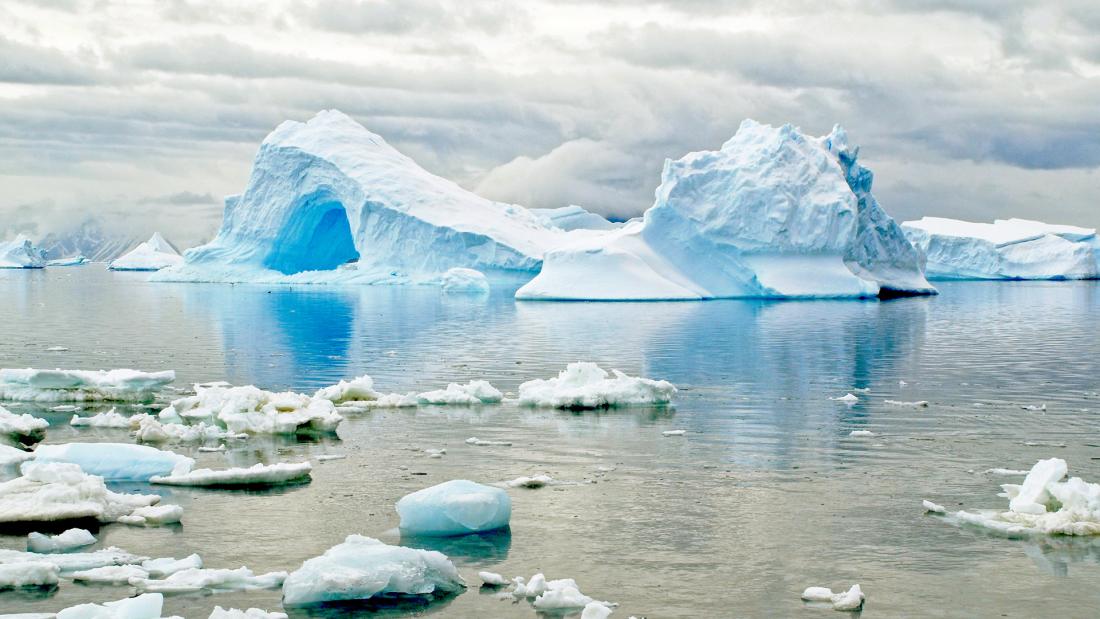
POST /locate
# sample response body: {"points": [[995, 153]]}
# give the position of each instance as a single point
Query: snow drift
{"points": [[330, 201], [774, 213], [152, 255], [21, 253], [1005, 249]]}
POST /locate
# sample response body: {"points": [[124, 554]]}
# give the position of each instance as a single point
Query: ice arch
{"points": [[316, 237]]}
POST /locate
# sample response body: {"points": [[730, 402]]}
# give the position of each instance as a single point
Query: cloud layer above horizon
{"points": [[145, 114]]}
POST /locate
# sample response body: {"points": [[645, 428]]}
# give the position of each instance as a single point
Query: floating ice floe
{"points": [[534, 481], [146, 606], [861, 433], [72, 561], [153, 515], [674, 433], [251, 613], [852, 599], [1000, 471], [1005, 249], [363, 568], [152, 255], [555, 596], [596, 610], [10, 456], [774, 213], [117, 461], [1042, 505], [109, 419], [252, 410], [22, 429], [81, 385], [464, 281], [329, 201], [28, 574], [477, 442], [21, 253], [199, 579], [492, 579], [917, 404], [51, 491], [455, 507], [71, 261], [255, 475], [166, 566], [110, 574], [584, 385], [848, 398], [62, 542], [474, 392], [149, 429], [933, 508]]}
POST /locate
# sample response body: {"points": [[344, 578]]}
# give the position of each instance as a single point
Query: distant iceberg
{"points": [[573, 217], [1005, 249], [152, 255], [774, 213], [71, 261], [329, 201], [21, 253]]}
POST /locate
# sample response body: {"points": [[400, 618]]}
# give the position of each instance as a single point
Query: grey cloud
{"points": [[21, 63], [182, 198], [396, 17]]}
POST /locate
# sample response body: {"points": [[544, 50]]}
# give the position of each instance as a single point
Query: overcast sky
{"points": [[146, 113]]}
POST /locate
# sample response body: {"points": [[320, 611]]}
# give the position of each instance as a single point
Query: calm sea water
{"points": [[766, 493]]}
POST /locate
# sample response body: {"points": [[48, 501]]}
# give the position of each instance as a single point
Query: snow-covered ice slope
{"points": [[1005, 249], [774, 213], [573, 217], [21, 253], [330, 201], [152, 255]]}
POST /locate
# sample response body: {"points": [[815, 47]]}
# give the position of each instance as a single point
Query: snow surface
{"points": [[81, 385], [1005, 249], [21, 253], [28, 574], [62, 542], [147, 606], [117, 461], [329, 201], [362, 568], [574, 217], [456, 507], [251, 410], [774, 213], [1042, 505], [50, 491], [255, 475], [585, 385], [25, 429], [152, 255], [198, 579]]}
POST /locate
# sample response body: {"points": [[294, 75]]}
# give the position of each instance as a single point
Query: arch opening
{"points": [[316, 238]]}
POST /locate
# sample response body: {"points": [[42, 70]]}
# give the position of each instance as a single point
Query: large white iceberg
{"points": [[117, 461], [330, 201], [774, 213], [584, 385], [51, 491], [1005, 249], [152, 255], [456, 507], [21, 253], [251, 410], [363, 568], [1042, 505], [81, 385]]}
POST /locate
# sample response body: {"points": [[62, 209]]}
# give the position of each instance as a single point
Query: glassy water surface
{"points": [[766, 493]]}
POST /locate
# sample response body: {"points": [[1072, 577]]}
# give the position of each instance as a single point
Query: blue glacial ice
{"points": [[152, 255], [117, 461], [363, 568], [456, 507], [21, 253], [1005, 249], [773, 213], [329, 201]]}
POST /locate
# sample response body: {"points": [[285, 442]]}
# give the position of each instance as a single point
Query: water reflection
{"points": [[475, 550]]}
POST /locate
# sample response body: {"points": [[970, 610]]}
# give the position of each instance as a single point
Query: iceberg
{"points": [[117, 461], [574, 217], [166, 566], [29, 574], [109, 419], [1042, 505], [199, 579], [774, 213], [53, 492], [63, 542], [460, 280], [110, 574], [71, 261], [456, 507], [21, 429], [584, 385], [72, 561], [153, 515], [251, 410], [472, 393], [329, 201], [81, 385], [21, 253], [147, 606], [255, 475], [1005, 249], [362, 568], [152, 255], [849, 600]]}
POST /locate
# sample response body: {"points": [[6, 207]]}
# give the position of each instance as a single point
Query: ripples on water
{"points": [[765, 495]]}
